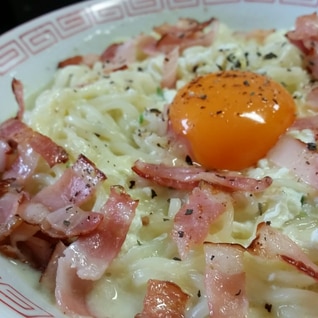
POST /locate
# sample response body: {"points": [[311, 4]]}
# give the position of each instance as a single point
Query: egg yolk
{"points": [[231, 119]]}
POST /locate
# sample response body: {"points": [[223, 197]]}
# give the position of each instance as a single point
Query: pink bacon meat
{"points": [[186, 178], [225, 280], [305, 37], [163, 299], [298, 157], [89, 256], [173, 39], [273, 244], [192, 222]]}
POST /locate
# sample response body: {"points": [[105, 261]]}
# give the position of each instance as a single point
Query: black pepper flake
{"points": [[180, 234], [238, 64], [155, 111], [212, 257], [132, 183], [199, 293], [194, 69], [238, 293], [246, 58], [188, 212], [312, 146], [246, 83], [270, 56], [153, 193], [268, 307], [66, 223], [188, 160], [303, 199], [177, 259]]}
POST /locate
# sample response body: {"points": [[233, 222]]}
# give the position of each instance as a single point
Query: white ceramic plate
{"points": [[32, 51]]}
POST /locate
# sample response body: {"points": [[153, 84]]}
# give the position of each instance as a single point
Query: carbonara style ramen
{"points": [[174, 175]]}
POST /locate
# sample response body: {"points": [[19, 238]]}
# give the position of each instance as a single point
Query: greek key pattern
{"points": [[38, 39], [19, 304], [83, 17], [11, 55]]}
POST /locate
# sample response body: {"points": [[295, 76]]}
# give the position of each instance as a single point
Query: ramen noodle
{"points": [[113, 115]]}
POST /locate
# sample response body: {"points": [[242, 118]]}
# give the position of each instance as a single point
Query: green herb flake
{"points": [[260, 208], [141, 118], [160, 92], [68, 164]]}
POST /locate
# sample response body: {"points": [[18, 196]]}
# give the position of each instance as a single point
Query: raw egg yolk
{"points": [[231, 119]]}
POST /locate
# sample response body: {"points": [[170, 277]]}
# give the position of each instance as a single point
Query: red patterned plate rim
{"points": [[30, 52]]}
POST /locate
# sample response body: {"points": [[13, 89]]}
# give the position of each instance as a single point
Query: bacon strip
{"points": [[93, 253], [186, 178], [5, 150], [9, 219], [295, 155], [70, 221], [193, 220], [14, 130], [29, 247], [310, 122], [305, 37], [88, 59], [271, 243], [23, 165], [169, 70], [225, 280], [17, 89], [163, 299], [87, 258], [66, 222], [77, 185], [185, 33], [312, 98], [49, 274], [71, 290], [173, 39]]}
